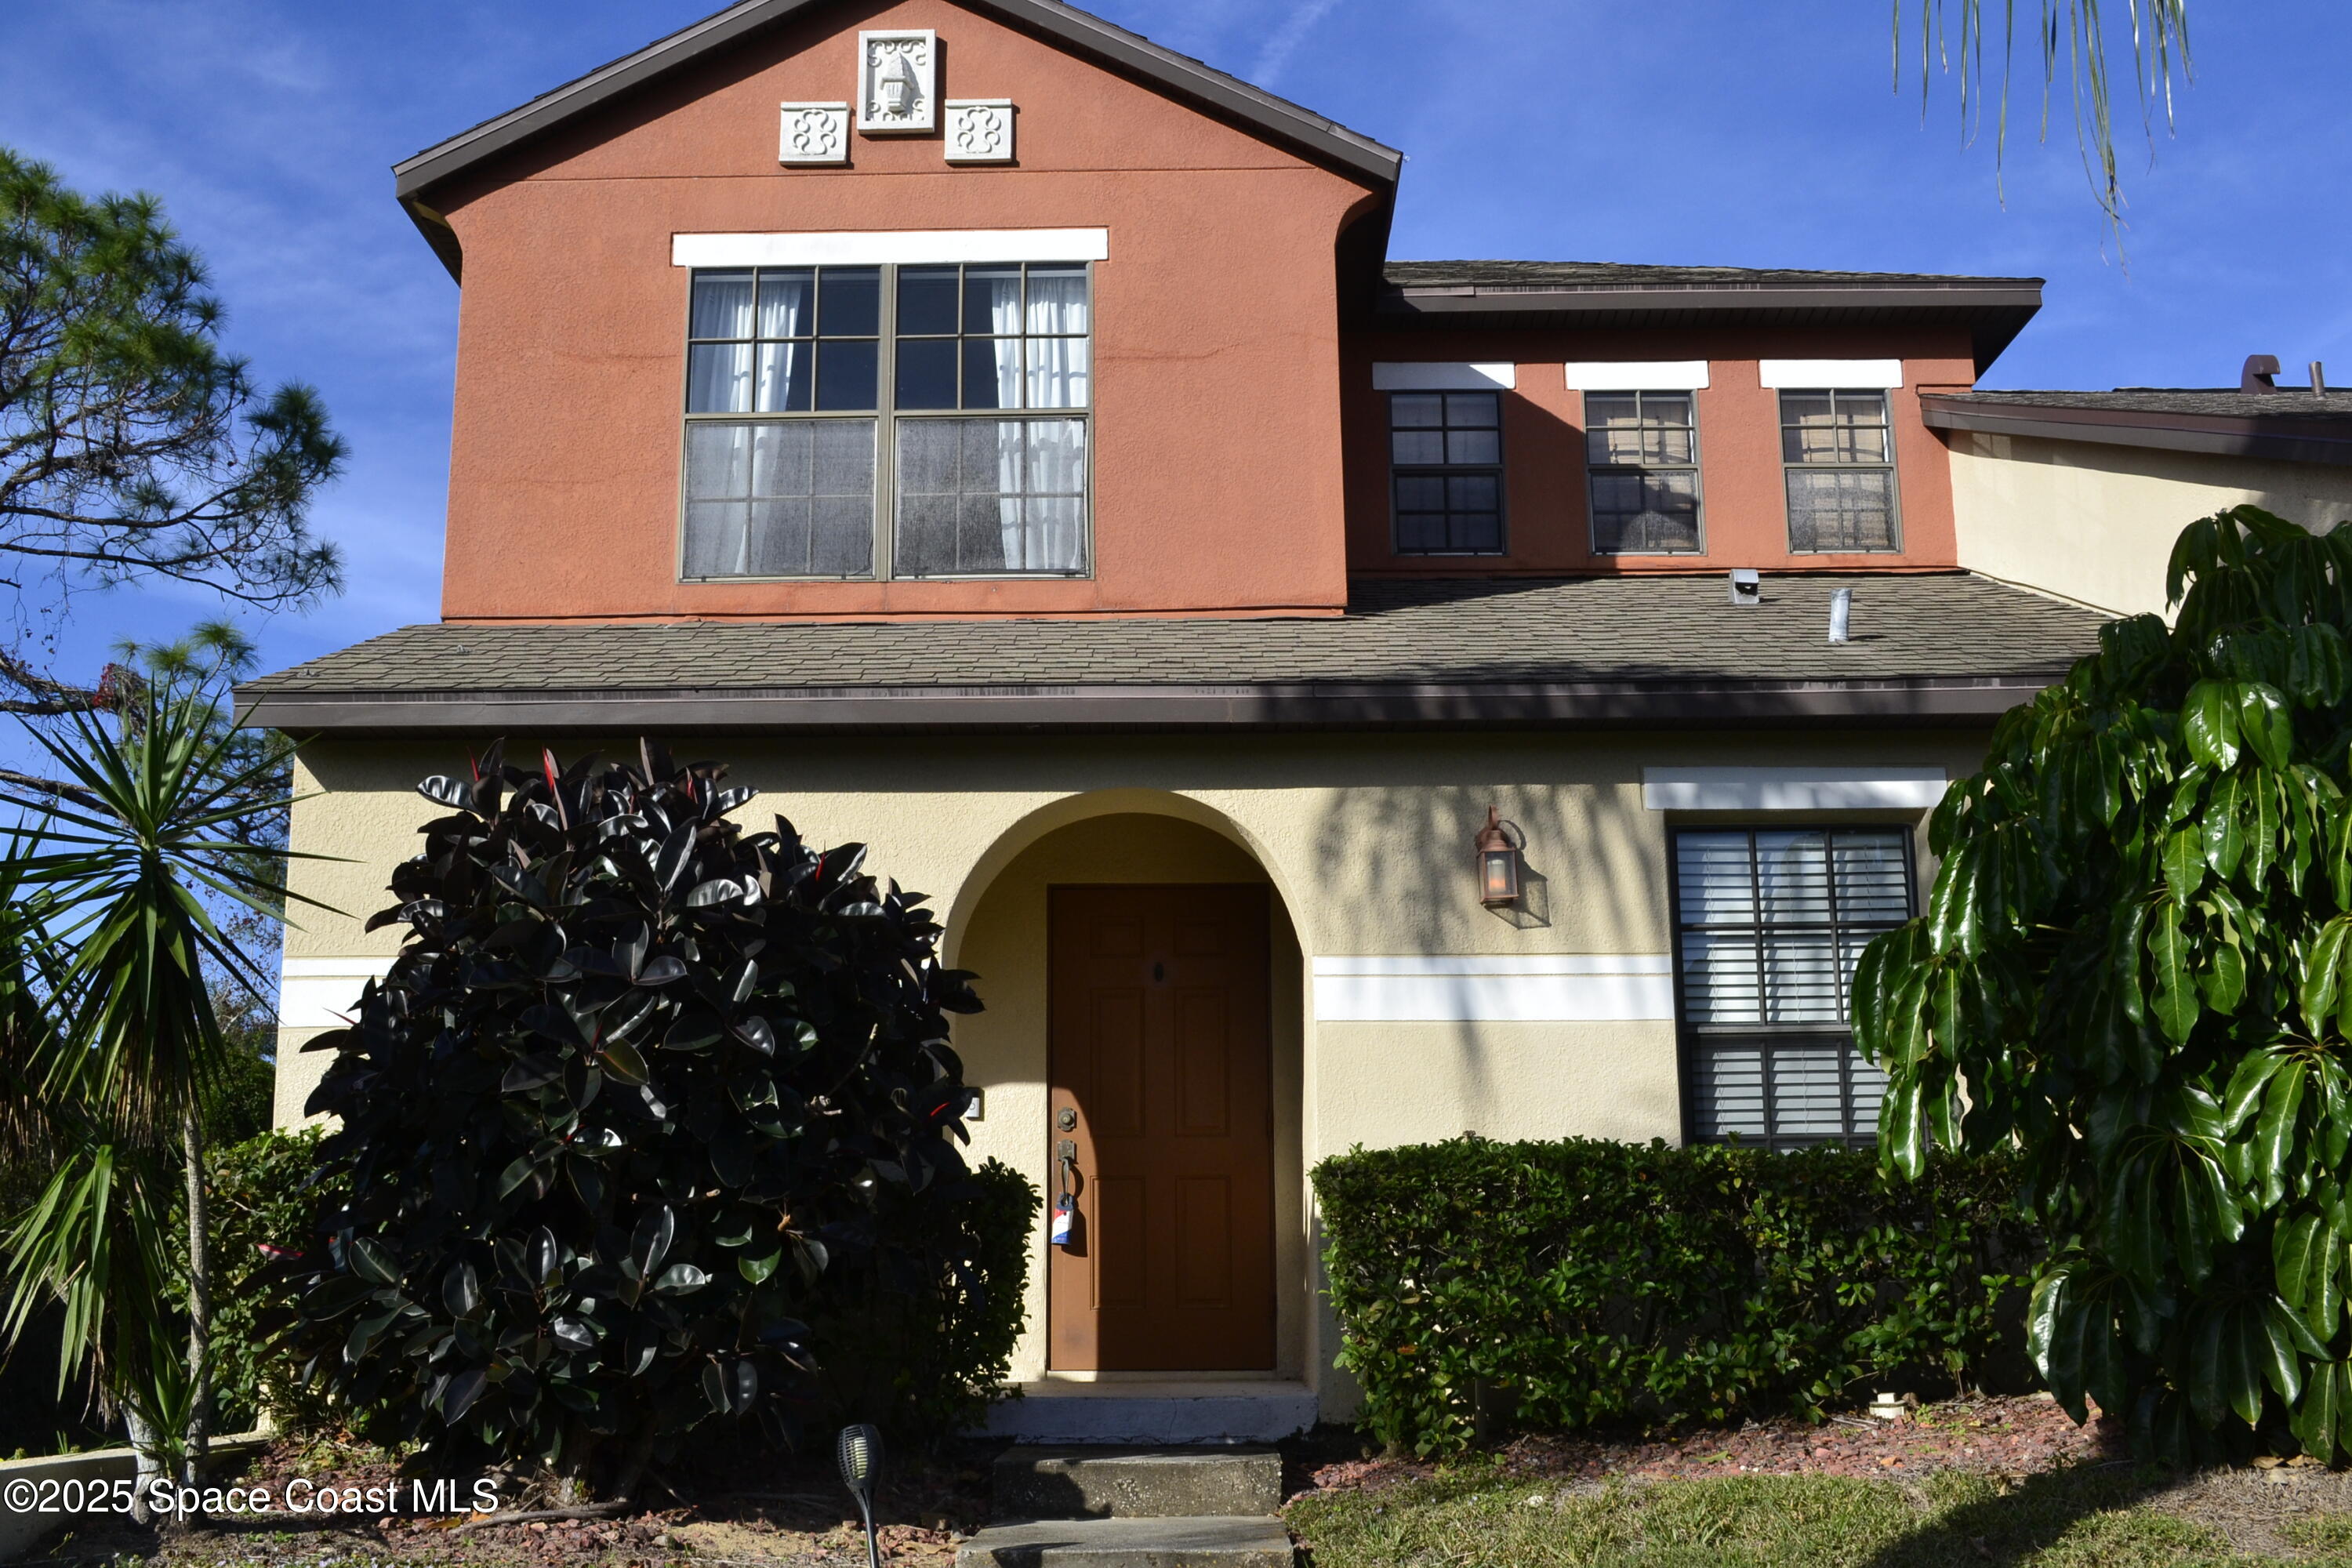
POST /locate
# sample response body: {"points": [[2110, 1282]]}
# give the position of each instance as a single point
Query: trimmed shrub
{"points": [[1481, 1285], [265, 1204], [644, 1100]]}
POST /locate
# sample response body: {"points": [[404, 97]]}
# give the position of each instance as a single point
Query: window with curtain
{"points": [[1838, 452], [1642, 460], [1445, 467], [1768, 924], [887, 421]]}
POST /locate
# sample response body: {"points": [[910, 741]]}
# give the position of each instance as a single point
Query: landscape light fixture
{"points": [[859, 1449], [1499, 863]]}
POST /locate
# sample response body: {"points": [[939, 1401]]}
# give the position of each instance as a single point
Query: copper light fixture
{"points": [[1499, 863]]}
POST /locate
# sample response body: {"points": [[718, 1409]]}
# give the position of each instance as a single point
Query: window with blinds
{"points": [[1769, 925]]}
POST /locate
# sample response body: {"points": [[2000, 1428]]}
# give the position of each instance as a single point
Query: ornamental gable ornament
{"points": [[898, 77], [979, 130], [815, 133]]}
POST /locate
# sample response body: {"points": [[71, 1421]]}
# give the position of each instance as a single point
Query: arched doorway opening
{"points": [[1142, 1048]]}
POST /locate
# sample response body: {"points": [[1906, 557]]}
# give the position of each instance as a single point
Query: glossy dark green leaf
{"points": [[2225, 834], [679, 1280], [2171, 967], [372, 1261], [2266, 724], [656, 1227], [2184, 864], [2209, 721]]}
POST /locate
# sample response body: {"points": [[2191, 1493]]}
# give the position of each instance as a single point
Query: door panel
{"points": [[1161, 1046]]}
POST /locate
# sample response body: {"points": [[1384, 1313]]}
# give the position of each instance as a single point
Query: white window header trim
{"points": [[1819, 374], [912, 247], [1791, 789], [1637, 375], [1442, 377]]}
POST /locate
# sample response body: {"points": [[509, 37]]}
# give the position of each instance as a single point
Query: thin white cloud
{"points": [[1287, 38]]}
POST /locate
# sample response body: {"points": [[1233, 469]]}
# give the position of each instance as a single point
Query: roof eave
{"points": [[1959, 701], [1994, 313], [1273, 116], [2203, 434]]}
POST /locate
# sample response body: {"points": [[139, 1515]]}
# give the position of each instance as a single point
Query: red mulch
{"points": [[2003, 1435]]}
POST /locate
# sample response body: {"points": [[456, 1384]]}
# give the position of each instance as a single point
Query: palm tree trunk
{"points": [[144, 1448], [200, 1285]]}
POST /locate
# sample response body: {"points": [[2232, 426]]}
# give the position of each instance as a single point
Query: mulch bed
{"points": [[2005, 1435]]}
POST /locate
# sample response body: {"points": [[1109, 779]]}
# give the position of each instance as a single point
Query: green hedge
{"points": [[1482, 1285]]}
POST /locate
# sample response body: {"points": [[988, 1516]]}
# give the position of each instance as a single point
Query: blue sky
{"points": [[1697, 131]]}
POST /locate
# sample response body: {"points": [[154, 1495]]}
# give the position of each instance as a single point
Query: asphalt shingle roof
{"points": [[1458, 631], [2226, 402], [1544, 275]]}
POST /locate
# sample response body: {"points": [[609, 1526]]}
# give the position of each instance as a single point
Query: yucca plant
{"points": [[2136, 967], [117, 945]]}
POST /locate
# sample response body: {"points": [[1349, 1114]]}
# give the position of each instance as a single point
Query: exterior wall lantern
{"points": [[1499, 863]]}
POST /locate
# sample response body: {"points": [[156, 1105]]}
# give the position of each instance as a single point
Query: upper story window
{"points": [[897, 420], [1770, 924], [1839, 455], [1445, 455], [1642, 458]]}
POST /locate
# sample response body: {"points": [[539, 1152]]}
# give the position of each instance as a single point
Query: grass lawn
{"points": [[2090, 1517]]}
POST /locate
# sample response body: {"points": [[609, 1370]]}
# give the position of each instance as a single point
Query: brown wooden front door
{"points": [[1159, 1029]]}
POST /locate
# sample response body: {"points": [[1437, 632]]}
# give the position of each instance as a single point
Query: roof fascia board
{"points": [[1441, 301], [1272, 115], [1617, 704], [2206, 435]]}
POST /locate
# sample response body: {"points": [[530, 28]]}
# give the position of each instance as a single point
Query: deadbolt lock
{"points": [[1067, 1120]]}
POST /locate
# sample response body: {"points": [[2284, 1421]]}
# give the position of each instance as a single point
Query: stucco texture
{"points": [[1365, 841], [1216, 439], [2095, 523]]}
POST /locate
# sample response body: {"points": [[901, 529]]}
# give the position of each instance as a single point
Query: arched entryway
{"points": [[1145, 1017]]}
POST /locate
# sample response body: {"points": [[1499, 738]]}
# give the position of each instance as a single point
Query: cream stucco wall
{"points": [[2095, 523], [1365, 840]]}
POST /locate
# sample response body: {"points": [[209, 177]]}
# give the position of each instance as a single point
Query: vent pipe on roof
{"points": [[2319, 379], [2260, 373], [1841, 613], [1747, 587]]}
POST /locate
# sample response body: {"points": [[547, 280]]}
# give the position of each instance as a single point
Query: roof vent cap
{"points": [[1747, 586], [2260, 374], [1841, 613]]}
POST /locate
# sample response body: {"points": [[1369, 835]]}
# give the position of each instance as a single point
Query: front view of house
{"points": [[1330, 699]]}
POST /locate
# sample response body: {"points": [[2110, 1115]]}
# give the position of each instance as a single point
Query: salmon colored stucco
{"points": [[1217, 476], [1744, 509]]}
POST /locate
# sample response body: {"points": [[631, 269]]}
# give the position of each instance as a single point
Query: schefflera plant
{"points": [[2137, 966], [641, 1092]]}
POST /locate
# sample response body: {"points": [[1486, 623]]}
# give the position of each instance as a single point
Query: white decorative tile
{"points": [[979, 130], [815, 133], [898, 77]]}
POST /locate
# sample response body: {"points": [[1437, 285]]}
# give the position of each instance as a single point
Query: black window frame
{"points": [[886, 415], [1691, 1038], [1400, 472], [1792, 466], [1595, 469]]}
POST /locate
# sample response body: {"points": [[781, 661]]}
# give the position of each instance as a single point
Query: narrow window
{"points": [[1446, 454], [828, 428], [1840, 460], [1642, 453], [1768, 924]]}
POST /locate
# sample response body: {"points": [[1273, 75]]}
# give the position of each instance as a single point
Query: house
{"points": [[2125, 468], [1331, 699]]}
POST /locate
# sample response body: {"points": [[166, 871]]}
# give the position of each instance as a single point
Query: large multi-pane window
{"points": [[1446, 466], [1642, 458], [1768, 924], [1839, 455], [888, 421]]}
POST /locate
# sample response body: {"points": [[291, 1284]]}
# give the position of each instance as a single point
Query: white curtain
{"points": [[719, 376], [1004, 325], [784, 313]]}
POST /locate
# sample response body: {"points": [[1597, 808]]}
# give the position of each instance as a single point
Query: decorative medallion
{"points": [[980, 130], [897, 80], [816, 133]]}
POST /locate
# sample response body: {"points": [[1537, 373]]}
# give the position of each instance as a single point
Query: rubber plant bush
{"points": [[642, 1096], [2135, 965], [1483, 1286]]}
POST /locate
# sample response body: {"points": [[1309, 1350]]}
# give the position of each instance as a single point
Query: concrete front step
{"points": [[1249, 1542], [1036, 1482], [1055, 1410]]}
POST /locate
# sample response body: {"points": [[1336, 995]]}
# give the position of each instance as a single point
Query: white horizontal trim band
{"points": [[1414, 375], [1499, 964], [1637, 375], [900, 247], [1494, 998], [1820, 374], [322, 992], [1791, 789]]}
